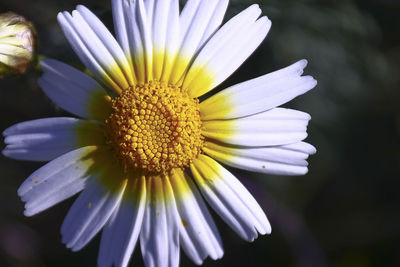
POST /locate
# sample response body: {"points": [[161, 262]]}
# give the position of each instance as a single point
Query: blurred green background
{"points": [[345, 212]]}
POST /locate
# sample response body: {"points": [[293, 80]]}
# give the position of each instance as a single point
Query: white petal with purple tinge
{"points": [[89, 213], [92, 52], [120, 235], [258, 95], [73, 90], [226, 51], [108, 40], [159, 237], [197, 22], [163, 16], [46, 139], [57, 180], [139, 39], [199, 236], [277, 126], [279, 160], [229, 199]]}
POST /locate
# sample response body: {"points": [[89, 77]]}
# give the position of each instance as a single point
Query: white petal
{"points": [[89, 213], [278, 160], [73, 90], [199, 236], [120, 236], [172, 41], [99, 50], [159, 23], [258, 95], [139, 36], [120, 25], [109, 42], [228, 197], [277, 126], [108, 244], [91, 51], [46, 139], [174, 221], [150, 9], [57, 180], [302, 147], [214, 22], [159, 238], [164, 18], [198, 21], [226, 51]]}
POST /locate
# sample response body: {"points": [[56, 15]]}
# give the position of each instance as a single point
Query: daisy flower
{"points": [[145, 150]]}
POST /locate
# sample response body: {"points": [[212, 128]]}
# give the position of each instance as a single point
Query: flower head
{"points": [[155, 127], [145, 151], [17, 42]]}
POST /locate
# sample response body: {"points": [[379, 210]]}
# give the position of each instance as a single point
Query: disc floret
{"points": [[155, 127]]}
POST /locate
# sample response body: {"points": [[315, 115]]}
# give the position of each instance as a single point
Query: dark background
{"points": [[345, 212]]}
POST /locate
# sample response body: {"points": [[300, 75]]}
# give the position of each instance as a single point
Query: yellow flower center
{"points": [[155, 127]]}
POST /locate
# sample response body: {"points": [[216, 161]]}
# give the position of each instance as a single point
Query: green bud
{"points": [[17, 44]]}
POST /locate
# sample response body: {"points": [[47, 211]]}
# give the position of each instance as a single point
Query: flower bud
{"points": [[17, 44]]}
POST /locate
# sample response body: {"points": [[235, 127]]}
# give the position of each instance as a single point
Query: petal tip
{"points": [[6, 132], [314, 81], [303, 63], [20, 193], [303, 172], [309, 82], [6, 152], [75, 13], [269, 230], [266, 21], [29, 213], [61, 18], [45, 63], [81, 8], [312, 150], [255, 6]]}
